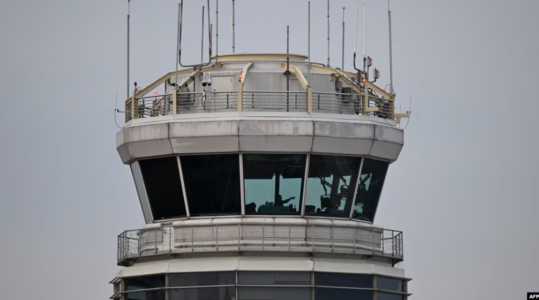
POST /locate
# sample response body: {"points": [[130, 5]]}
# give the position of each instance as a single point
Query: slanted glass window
{"points": [[274, 278], [209, 293], [343, 280], [144, 282], [147, 295], [163, 187], [202, 279], [389, 284], [212, 184], [273, 183], [369, 189], [275, 293], [331, 185], [387, 296], [341, 294]]}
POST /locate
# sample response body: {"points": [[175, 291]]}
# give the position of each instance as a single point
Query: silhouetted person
{"points": [[280, 202]]}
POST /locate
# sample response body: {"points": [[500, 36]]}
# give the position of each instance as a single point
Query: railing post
{"points": [[174, 101], [309, 99], [155, 239], [216, 238], [227, 100], [134, 107], [365, 102], [192, 239], [240, 96], [289, 237]]}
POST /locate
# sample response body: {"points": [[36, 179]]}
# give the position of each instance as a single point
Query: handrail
{"points": [[293, 101], [245, 236]]}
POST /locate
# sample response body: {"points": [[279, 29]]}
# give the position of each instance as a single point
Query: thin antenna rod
{"points": [[364, 35], [287, 65], [202, 39], [390, 51], [328, 36], [343, 25], [233, 27], [357, 21], [217, 31], [178, 43], [180, 39], [128, 44], [309, 42]]}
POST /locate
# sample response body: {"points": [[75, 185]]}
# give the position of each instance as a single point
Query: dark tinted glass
{"points": [[212, 184], [273, 183], [343, 280], [163, 187], [274, 278], [278, 293], [341, 294], [144, 282], [148, 295], [386, 296], [201, 279], [389, 284], [369, 189], [216, 293], [331, 185]]}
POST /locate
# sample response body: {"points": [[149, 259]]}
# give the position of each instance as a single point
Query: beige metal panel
{"points": [[355, 267], [147, 140], [385, 150], [345, 146], [275, 135], [389, 134], [204, 136], [146, 268], [275, 264], [218, 264]]}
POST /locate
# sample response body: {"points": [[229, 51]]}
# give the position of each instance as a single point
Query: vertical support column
{"points": [[240, 96], [134, 108], [174, 101], [306, 179], [365, 101], [309, 99], [242, 188]]}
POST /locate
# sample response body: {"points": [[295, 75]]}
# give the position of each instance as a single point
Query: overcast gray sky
{"points": [[464, 189]]}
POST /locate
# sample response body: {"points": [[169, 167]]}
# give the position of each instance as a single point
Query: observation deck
{"points": [[254, 154]]}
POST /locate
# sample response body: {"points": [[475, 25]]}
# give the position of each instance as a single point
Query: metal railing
{"points": [[335, 103], [274, 101], [134, 244]]}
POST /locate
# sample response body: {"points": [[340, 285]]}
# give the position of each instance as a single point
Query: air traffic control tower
{"points": [[259, 178]]}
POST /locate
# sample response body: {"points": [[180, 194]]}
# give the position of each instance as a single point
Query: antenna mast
{"points": [[364, 35], [343, 25], [390, 51], [328, 36], [202, 39], [233, 27], [309, 41], [217, 31], [128, 21]]}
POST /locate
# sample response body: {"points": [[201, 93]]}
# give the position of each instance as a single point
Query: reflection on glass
{"points": [[214, 293], [389, 284], [274, 278], [148, 295], [273, 183], [342, 294], [369, 189], [277, 293], [202, 279], [212, 184], [343, 280], [163, 187], [331, 185], [144, 282], [386, 296]]}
